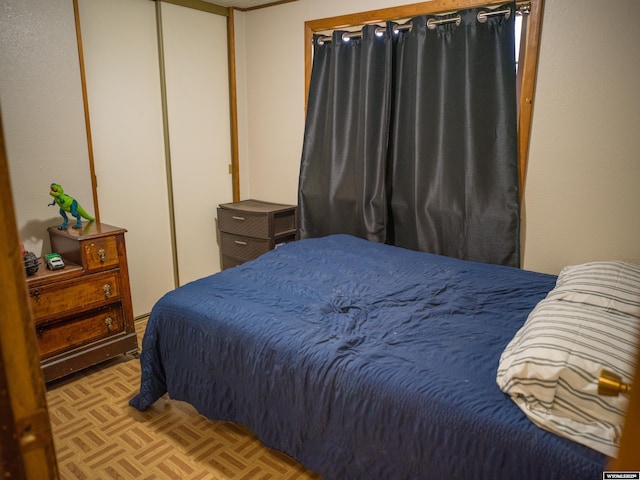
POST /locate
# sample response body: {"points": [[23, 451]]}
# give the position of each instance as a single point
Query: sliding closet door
{"points": [[123, 86], [135, 188], [197, 79]]}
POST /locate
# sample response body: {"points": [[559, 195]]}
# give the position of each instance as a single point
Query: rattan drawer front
{"points": [[243, 248], [284, 222], [243, 223], [229, 262]]}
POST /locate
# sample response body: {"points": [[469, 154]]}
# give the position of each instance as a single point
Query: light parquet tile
{"points": [[98, 436]]}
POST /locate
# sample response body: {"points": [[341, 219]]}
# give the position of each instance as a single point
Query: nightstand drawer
{"points": [[243, 223], [57, 299], [70, 333], [243, 248], [249, 228], [230, 262]]}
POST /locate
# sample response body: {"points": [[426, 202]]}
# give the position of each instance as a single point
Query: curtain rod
{"points": [[522, 8]]}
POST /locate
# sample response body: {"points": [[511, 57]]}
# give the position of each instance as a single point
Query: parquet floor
{"points": [[98, 436]]}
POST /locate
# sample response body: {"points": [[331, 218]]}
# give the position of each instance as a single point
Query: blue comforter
{"points": [[360, 360]]}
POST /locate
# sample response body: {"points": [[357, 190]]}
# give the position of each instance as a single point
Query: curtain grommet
{"points": [[432, 23], [483, 15]]}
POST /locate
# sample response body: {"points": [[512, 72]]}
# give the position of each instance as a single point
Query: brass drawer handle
{"points": [[107, 290], [102, 254], [238, 242], [109, 323], [240, 219], [36, 295]]}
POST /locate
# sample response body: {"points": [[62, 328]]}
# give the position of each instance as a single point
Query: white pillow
{"points": [[589, 321]]}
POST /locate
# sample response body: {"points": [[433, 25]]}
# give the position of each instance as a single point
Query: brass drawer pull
{"points": [[238, 242], [240, 219], [109, 323], [102, 254], [36, 295], [107, 290]]}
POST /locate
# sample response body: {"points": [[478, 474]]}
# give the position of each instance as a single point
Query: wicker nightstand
{"points": [[252, 227]]}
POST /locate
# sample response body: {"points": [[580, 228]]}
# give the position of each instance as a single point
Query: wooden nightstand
{"points": [[83, 313], [251, 227]]}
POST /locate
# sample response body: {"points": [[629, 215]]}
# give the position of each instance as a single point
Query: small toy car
{"points": [[53, 261]]}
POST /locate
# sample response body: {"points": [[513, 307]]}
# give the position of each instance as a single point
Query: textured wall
{"points": [[42, 112], [582, 195], [582, 199]]}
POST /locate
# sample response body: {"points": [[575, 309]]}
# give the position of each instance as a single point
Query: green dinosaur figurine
{"points": [[68, 204]]}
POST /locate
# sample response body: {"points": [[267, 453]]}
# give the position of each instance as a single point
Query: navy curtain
{"points": [[419, 147]]}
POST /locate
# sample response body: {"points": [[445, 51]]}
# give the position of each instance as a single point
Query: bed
{"points": [[361, 361]]}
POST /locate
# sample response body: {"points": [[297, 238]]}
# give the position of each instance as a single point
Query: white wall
{"points": [[582, 199], [42, 113], [582, 193]]}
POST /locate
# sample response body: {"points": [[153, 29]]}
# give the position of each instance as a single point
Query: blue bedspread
{"points": [[360, 360]]}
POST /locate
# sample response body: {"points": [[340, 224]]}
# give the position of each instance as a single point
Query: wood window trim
{"points": [[529, 63]]}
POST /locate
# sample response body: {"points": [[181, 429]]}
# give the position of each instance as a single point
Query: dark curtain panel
{"points": [[342, 185], [453, 171]]}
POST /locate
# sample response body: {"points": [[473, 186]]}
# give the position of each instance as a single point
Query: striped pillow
{"points": [[610, 285], [589, 321]]}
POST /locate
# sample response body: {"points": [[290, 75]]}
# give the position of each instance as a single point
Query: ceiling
{"points": [[244, 4]]}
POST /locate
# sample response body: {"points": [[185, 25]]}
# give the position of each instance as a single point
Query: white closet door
{"points": [[197, 83], [123, 85], [120, 43]]}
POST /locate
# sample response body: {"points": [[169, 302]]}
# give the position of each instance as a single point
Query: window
{"points": [[528, 27]]}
